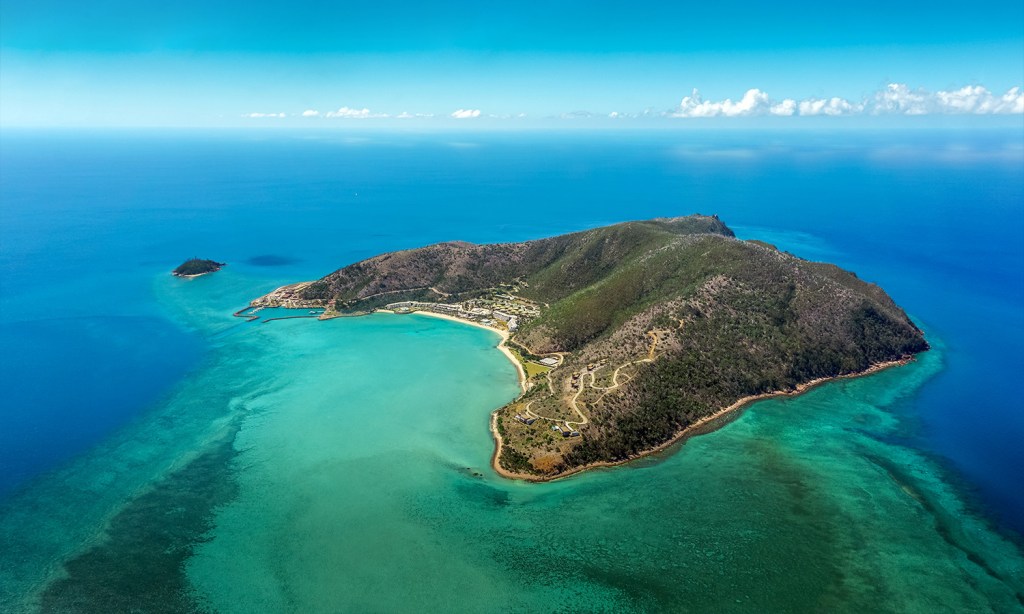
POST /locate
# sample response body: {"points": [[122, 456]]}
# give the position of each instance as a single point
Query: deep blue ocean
{"points": [[89, 221]]}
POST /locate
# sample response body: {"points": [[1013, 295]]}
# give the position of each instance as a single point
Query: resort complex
{"points": [[503, 312]]}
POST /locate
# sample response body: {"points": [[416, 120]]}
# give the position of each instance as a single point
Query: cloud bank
{"points": [[895, 99], [350, 113]]}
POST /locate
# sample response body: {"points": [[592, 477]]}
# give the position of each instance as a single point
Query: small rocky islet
{"points": [[194, 267]]}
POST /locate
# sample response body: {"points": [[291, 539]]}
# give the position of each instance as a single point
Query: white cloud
{"points": [[263, 115], [466, 113], [311, 113], [350, 113], [828, 106], [754, 102], [979, 101], [894, 99], [899, 99], [1013, 101], [969, 100], [785, 108]]}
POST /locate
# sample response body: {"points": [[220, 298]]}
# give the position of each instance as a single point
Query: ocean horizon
{"points": [[303, 465]]}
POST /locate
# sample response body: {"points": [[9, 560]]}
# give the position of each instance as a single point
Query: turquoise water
{"points": [[316, 486], [186, 459]]}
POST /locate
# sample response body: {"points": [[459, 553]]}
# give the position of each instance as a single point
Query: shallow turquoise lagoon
{"points": [[344, 466]]}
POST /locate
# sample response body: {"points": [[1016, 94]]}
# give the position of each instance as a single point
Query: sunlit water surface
{"points": [[162, 455]]}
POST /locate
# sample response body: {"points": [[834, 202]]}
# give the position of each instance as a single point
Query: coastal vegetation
{"points": [[655, 326], [530, 365], [196, 266]]}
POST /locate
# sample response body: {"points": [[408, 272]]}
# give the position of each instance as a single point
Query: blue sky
{"points": [[188, 63]]}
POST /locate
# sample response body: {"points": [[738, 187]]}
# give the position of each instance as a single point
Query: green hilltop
{"points": [[656, 325]]}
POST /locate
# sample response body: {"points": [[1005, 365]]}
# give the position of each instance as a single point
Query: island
{"points": [[194, 267], [632, 336]]}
